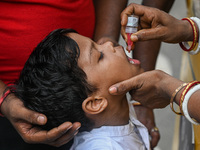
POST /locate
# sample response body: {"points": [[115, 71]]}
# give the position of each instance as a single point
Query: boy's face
{"points": [[104, 64]]}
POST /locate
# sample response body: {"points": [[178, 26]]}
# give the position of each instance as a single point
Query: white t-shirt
{"points": [[114, 137]]}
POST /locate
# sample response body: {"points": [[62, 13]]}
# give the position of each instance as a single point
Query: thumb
{"points": [[155, 138], [146, 34], [32, 116], [125, 86]]}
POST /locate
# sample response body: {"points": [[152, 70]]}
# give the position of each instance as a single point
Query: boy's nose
{"points": [[109, 43], [110, 46]]}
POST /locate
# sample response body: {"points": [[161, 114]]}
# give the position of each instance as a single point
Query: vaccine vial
{"points": [[131, 27]]}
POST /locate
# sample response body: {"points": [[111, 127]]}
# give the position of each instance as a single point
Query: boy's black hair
{"points": [[52, 83]]}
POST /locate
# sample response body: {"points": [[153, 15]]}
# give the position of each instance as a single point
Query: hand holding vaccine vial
{"points": [[131, 27]]}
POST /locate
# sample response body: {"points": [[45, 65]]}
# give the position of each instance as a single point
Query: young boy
{"points": [[67, 78]]}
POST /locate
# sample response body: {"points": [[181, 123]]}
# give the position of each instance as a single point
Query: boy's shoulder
{"points": [[95, 142]]}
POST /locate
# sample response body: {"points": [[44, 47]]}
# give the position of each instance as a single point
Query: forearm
{"points": [[147, 51], [193, 104], [108, 18], [169, 84], [164, 5]]}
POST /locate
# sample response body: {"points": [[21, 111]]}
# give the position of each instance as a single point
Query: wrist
{"points": [[3, 97], [194, 47], [5, 104], [183, 94], [168, 85], [187, 29], [193, 105]]}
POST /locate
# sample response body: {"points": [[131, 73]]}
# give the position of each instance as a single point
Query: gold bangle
{"points": [[173, 97]]}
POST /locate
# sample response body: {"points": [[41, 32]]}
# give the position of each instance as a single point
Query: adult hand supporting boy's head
{"points": [[142, 88], [25, 121], [146, 88]]}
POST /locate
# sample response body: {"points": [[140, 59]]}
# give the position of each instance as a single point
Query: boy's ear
{"points": [[94, 105]]}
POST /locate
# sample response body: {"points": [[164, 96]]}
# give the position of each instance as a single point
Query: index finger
{"points": [[124, 18], [132, 8], [67, 136], [135, 9], [125, 86]]}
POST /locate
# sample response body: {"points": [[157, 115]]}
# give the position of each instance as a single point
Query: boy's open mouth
{"points": [[133, 61]]}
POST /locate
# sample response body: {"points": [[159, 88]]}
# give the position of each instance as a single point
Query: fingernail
{"points": [[69, 127], [41, 119], [134, 37], [113, 90], [77, 128]]}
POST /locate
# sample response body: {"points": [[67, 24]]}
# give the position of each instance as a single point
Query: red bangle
{"points": [[195, 38], [3, 97]]}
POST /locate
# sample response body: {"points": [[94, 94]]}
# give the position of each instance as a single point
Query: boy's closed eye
{"points": [[101, 56]]}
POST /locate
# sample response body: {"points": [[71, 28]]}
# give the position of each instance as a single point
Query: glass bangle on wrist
{"points": [[197, 21], [186, 89], [173, 97], [185, 104], [189, 89], [184, 45], [194, 48]]}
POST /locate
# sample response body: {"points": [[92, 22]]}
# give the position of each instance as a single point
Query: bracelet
{"points": [[187, 88], [197, 21], [184, 45], [173, 97], [185, 104], [3, 97]]}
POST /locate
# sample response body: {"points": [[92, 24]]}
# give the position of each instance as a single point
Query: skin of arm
{"points": [[193, 104], [24, 121], [156, 26], [164, 86], [154, 90], [107, 27], [147, 52]]}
